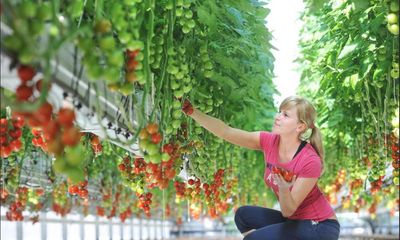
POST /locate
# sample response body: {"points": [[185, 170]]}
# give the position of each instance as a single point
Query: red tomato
{"points": [[15, 145], [26, 73], [51, 129], [43, 115], [17, 121], [5, 151], [66, 117], [16, 133], [71, 136], [23, 92], [156, 138]]}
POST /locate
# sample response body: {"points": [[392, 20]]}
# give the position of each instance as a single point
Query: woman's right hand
{"points": [[187, 107], [220, 129]]}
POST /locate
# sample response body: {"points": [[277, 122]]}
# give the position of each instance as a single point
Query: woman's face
{"points": [[287, 123]]}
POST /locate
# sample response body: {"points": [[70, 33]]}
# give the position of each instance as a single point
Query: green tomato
{"points": [[75, 174], [152, 149], [174, 84], [36, 27], [176, 104], [179, 12], [127, 88], [116, 59], [394, 6], [28, 9], [139, 57], [156, 158], [74, 155], [125, 37], [171, 69], [59, 165], [107, 43], [186, 29], [165, 157], [187, 88], [177, 113], [75, 8], [188, 14], [13, 42], [44, 11], [53, 30], [394, 73], [392, 18], [208, 74], [112, 75], [26, 56], [396, 181], [208, 65], [179, 75], [394, 29], [176, 123], [135, 44], [178, 93]]}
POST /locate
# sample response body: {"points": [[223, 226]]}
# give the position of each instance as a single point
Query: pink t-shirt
{"points": [[306, 164]]}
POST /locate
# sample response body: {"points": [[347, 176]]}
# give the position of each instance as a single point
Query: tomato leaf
{"points": [[348, 49]]}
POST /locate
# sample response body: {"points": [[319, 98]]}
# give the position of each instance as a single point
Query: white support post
{"points": [[43, 225], [64, 228], [82, 227], [97, 227], [20, 234]]}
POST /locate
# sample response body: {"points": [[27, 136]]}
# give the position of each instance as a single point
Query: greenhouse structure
{"points": [[174, 119]]}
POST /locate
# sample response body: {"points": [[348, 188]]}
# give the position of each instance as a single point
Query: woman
{"points": [[293, 148]]}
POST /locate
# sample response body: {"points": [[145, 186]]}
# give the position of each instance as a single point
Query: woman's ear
{"points": [[301, 127]]}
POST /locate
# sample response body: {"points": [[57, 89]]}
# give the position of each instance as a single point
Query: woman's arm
{"points": [[291, 200], [220, 129]]}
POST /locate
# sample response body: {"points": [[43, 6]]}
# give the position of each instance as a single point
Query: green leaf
{"points": [[348, 49]]}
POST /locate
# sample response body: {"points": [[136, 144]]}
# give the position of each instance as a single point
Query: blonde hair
{"points": [[307, 114]]}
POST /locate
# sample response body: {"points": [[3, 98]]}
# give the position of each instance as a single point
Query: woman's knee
{"points": [[239, 213], [239, 218]]}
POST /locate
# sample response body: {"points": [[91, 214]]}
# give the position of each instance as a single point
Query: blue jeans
{"points": [[269, 224]]}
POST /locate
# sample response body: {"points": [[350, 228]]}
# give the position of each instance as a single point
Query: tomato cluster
{"points": [[392, 19], [61, 203], [131, 65], [14, 212], [376, 185], [149, 143], [287, 175], [10, 134], [180, 188], [145, 202], [79, 189], [3, 195], [396, 161]]}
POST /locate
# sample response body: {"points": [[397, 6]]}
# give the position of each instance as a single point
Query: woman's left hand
{"points": [[281, 182]]}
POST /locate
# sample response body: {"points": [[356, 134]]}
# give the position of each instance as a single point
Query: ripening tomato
{"points": [[40, 83], [66, 117], [152, 128], [95, 140], [143, 134]]}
